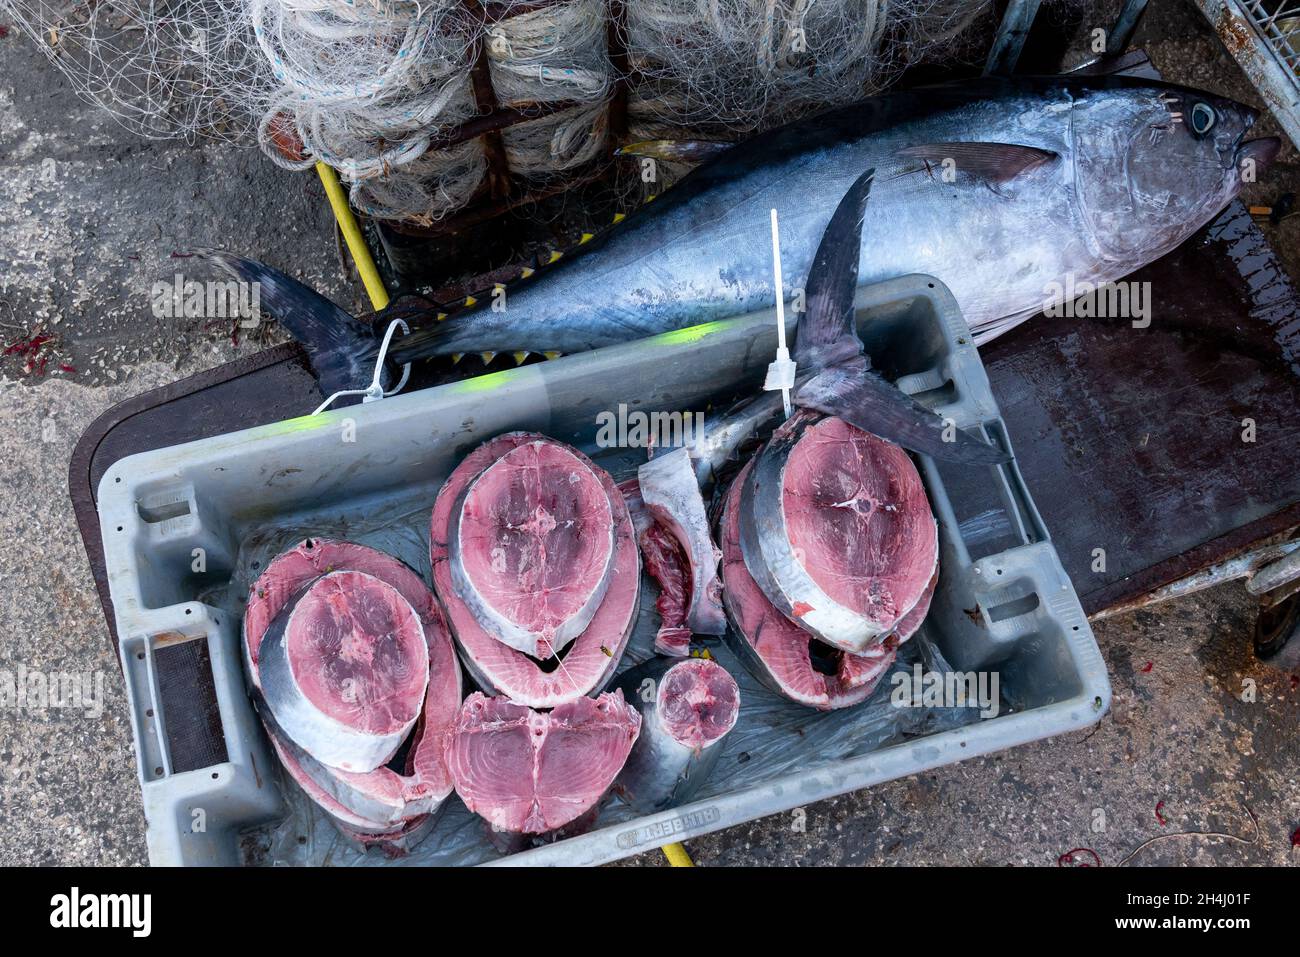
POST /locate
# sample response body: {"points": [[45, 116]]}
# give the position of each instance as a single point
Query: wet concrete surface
{"points": [[90, 217]]}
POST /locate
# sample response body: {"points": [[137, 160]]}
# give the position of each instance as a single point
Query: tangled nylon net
{"points": [[379, 89]]}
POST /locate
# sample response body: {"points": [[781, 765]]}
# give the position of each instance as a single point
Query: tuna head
{"points": [[1154, 163]]}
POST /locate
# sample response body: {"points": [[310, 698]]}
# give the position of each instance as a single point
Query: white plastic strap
{"points": [[375, 391], [780, 373]]}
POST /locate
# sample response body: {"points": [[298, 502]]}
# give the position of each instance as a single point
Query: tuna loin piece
{"points": [[532, 545], [776, 650], [383, 804], [590, 661], [836, 529], [671, 493], [687, 708], [530, 772], [344, 669]]}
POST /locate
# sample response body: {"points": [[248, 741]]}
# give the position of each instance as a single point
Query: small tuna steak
{"points": [[532, 545], [836, 529], [687, 708], [587, 665], [344, 670], [383, 802], [530, 772], [671, 492], [776, 650]]}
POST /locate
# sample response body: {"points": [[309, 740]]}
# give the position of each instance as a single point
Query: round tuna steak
{"points": [[777, 651], [687, 708], [384, 798], [530, 772], [587, 665], [344, 670], [532, 545], [836, 529]]}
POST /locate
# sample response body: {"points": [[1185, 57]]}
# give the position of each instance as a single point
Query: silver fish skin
{"points": [[663, 770], [1000, 187], [671, 492]]}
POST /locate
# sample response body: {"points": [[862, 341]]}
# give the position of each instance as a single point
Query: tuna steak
{"points": [[344, 670], [532, 546], [836, 529], [776, 650], [530, 772], [671, 492], [383, 799], [587, 665], [687, 708]]}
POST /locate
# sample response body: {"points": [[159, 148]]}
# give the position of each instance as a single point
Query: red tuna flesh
{"points": [[532, 545], [698, 702], [344, 669], [775, 649], [837, 530], [588, 664], [531, 772], [670, 569], [671, 493], [379, 799]]}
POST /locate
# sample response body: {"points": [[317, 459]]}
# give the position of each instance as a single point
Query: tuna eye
{"points": [[1203, 117]]}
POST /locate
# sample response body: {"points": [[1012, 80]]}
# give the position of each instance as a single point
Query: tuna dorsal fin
{"points": [[827, 332], [675, 151], [1130, 63], [992, 163]]}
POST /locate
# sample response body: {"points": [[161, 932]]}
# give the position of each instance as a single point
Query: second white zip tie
{"points": [[375, 391]]}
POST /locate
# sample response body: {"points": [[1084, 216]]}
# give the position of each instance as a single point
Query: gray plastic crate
{"points": [[1003, 601]]}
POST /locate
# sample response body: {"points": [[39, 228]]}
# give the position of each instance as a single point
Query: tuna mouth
{"points": [[1260, 152]]}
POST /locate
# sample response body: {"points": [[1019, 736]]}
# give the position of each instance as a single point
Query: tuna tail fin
{"points": [[858, 395], [342, 350], [827, 343], [827, 331]]}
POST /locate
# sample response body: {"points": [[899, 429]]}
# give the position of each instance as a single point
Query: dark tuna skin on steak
{"points": [[532, 545], [687, 708], [344, 670], [384, 798], [836, 528], [590, 661], [530, 772], [776, 650]]}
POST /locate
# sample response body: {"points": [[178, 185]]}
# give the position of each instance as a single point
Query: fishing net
{"points": [[405, 99]]}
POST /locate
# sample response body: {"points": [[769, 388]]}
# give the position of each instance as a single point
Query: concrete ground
{"points": [[89, 218]]}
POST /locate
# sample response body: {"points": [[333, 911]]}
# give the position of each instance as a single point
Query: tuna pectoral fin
{"points": [[856, 394], [992, 163], [675, 151], [827, 331], [342, 350]]}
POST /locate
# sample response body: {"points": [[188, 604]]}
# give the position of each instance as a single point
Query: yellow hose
{"points": [[366, 268], [352, 236]]}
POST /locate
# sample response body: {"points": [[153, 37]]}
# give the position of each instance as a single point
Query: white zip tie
{"points": [[374, 392], [780, 373]]}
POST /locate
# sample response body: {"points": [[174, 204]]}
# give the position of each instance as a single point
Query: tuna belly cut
{"points": [[836, 529], [586, 665], [384, 799], [687, 708], [778, 652], [530, 772], [532, 546], [671, 492]]}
